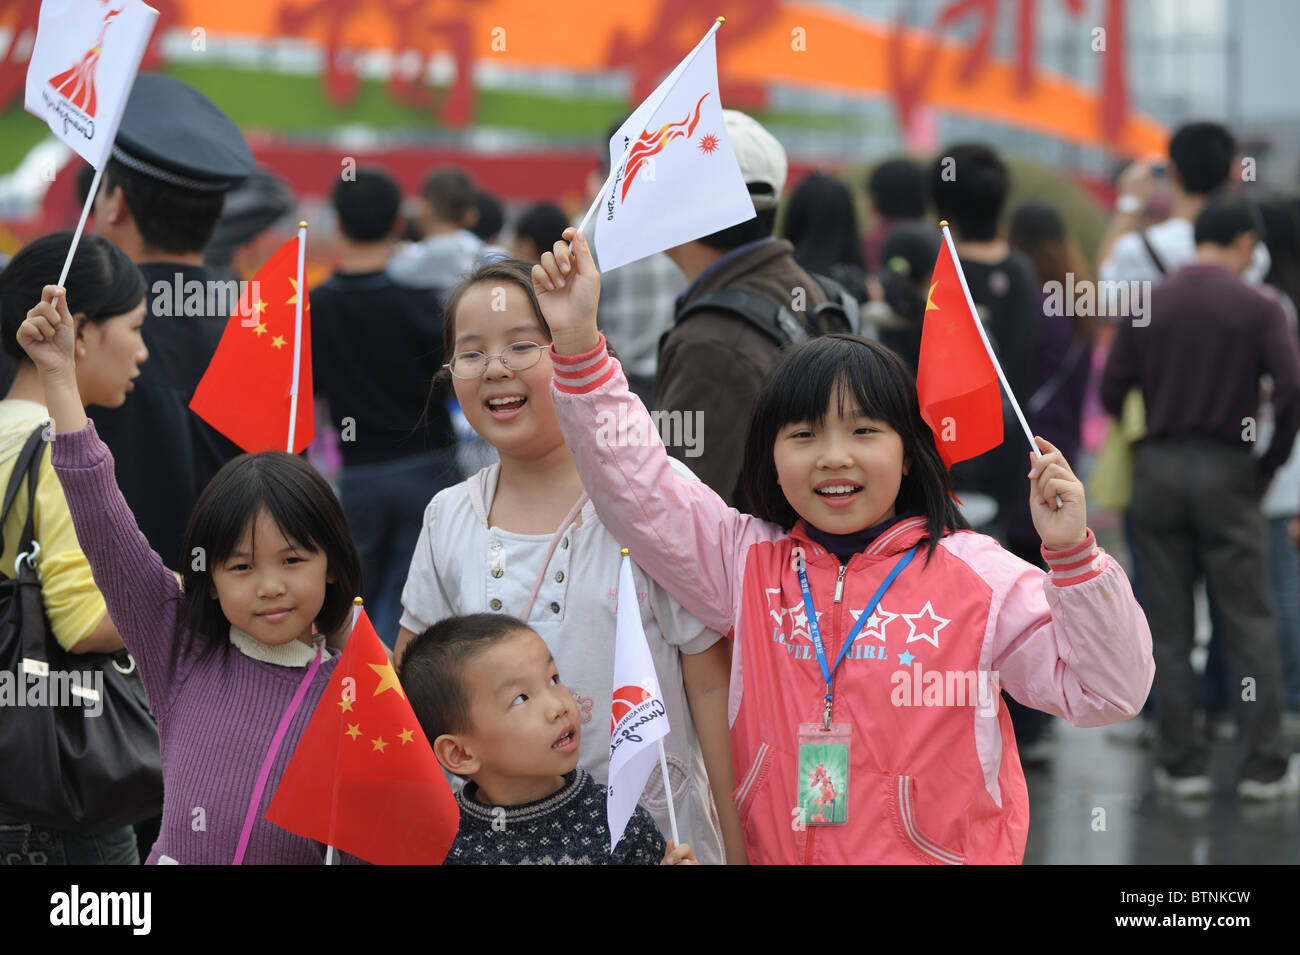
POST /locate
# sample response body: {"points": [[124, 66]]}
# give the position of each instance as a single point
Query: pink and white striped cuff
{"points": [[1076, 564], [582, 374]]}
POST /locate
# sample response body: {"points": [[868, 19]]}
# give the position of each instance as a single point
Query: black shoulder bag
{"points": [[78, 745]]}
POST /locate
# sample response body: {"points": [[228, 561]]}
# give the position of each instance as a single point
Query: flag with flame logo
{"points": [[638, 719], [680, 180], [82, 67]]}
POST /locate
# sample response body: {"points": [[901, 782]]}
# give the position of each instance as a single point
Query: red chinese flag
{"points": [[244, 394], [364, 778], [955, 379]]}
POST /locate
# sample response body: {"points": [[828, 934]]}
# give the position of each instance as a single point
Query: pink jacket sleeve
{"points": [[1074, 642], [678, 530]]}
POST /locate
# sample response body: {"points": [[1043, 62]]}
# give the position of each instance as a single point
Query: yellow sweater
{"points": [[72, 601]]}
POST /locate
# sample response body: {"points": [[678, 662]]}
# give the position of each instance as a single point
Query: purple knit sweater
{"points": [[216, 714]]}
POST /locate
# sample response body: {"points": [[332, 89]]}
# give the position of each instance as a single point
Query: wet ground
{"points": [[1095, 804]]}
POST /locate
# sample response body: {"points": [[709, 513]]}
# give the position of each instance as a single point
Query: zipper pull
{"points": [[839, 584]]}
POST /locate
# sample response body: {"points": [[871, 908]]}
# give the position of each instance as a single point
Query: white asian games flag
{"points": [[82, 68], [638, 718], [681, 180]]}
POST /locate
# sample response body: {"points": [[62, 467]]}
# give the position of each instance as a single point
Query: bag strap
{"points": [[1048, 389], [27, 464], [771, 318], [775, 320], [839, 300], [1151, 251]]}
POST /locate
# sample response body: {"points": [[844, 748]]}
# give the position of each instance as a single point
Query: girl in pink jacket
{"points": [[872, 629]]}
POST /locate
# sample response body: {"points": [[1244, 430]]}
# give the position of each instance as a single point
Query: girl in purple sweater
{"points": [[232, 659]]}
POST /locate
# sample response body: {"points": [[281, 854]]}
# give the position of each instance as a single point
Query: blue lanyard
{"points": [[828, 672]]}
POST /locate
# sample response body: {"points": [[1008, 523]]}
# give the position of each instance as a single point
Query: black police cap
{"points": [[173, 133]]}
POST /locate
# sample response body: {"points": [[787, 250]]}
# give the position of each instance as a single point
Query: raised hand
{"points": [[568, 289], [1050, 477], [48, 336]]}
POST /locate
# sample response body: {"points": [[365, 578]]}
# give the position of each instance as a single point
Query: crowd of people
{"points": [[798, 542]]}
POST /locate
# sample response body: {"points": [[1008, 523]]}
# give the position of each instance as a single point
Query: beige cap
{"points": [[760, 155]]}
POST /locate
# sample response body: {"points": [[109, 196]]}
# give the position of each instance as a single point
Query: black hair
{"points": [[542, 224], [302, 505], [1039, 231], [1202, 153], [822, 224], [102, 282], [491, 216], [801, 387], [169, 219], [1282, 236], [742, 233], [368, 205], [968, 185], [897, 187], [1223, 220], [432, 670], [450, 193]]}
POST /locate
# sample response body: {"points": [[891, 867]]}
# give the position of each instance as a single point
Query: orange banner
{"points": [[762, 42]]}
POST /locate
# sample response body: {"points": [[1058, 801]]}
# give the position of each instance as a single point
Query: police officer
{"points": [[175, 157]]}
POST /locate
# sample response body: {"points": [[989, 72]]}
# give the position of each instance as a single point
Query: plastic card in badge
{"points": [[823, 766]]}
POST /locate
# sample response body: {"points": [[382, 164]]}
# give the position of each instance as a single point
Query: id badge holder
{"points": [[823, 767]]}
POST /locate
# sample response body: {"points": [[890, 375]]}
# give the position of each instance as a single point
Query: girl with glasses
{"points": [[521, 538]]}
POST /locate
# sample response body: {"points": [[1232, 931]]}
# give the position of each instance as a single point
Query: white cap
{"points": [[760, 155]]}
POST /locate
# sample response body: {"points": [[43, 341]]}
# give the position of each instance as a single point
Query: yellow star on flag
{"points": [[346, 706], [405, 735], [929, 299], [379, 744], [260, 329], [353, 730], [278, 341], [261, 305], [293, 299], [387, 679]]}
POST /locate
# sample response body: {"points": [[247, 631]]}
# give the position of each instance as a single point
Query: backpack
{"points": [[778, 322]]}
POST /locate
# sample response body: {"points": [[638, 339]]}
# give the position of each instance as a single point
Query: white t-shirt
{"points": [[463, 566], [1174, 242]]}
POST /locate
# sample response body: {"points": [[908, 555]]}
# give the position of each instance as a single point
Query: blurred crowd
{"points": [[1179, 330]]}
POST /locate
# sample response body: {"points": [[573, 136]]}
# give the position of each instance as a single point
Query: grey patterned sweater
{"points": [[567, 828]]}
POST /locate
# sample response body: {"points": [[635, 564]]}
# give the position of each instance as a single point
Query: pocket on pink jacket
{"points": [[901, 800], [752, 782]]}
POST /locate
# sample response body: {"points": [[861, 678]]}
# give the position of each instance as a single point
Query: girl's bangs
{"points": [[839, 369]]}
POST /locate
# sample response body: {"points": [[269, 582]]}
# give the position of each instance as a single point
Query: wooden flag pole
{"points": [[297, 333], [614, 169], [81, 225], [988, 347]]}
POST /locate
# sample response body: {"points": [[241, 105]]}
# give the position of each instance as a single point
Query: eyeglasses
{"points": [[518, 357]]}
